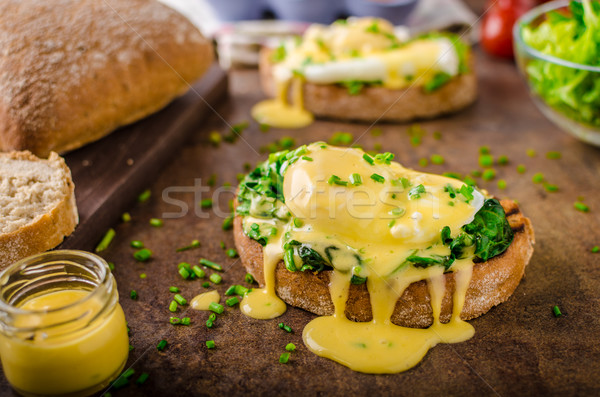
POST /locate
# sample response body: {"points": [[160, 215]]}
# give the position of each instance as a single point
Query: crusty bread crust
{"points": [[72, 71], [491, 284], [378, 103], [48, 230]]}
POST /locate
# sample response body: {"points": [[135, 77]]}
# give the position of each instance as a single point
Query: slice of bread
{"points": [[375, 103], [37, 204], [491, 284]]}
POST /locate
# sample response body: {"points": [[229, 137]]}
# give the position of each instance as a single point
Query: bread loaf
{"points": [[37, 204], [72, 71]]}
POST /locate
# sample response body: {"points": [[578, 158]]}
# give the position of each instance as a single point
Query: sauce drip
{"points": [[203, 301]]}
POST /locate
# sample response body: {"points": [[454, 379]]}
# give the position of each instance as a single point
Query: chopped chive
{"points": [[186, 321], [209, 323], [142, 379], [484, 150], [106, 240], [215, 138], [284, 358], [241, 290], [222, 245], [111, 266], [161, 345], [397, 211], [521, 169], [298, 222], [137, 244], [486, 160], [194, 244], [210, 344], [306, 158], [216, 278], [212, 180], [173, 306], [488, 175], [475, 173], [206, 203], [216, 307], [232, 253], [553, 155], [144, 196], [206, 284], [551, 188], [230, 291], [284, 327], [264, 127], [142, 255], [437, 135], [290, 347], [531, 152], [368, 159], [501, 184], [355, 179], [595, 249], [437, 159], [415, 140], [415, 192], [173, 289], [341, 138], [180, 299], [227, 223], [556, 311], [133, 294], [423, 162], [156, 222], [212, 317], [211, 264], [184, 273], [126, 217], [503, 160], [579, 206], [232, 301], [391, 223], [538, 178], [377, 178], [454, 175], [174, 320], [143, 276], [249, 278], [198, 271], [334, 179]]}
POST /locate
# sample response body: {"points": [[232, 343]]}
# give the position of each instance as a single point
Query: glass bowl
{"points": [[536, 66]]}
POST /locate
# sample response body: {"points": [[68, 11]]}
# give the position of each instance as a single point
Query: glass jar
{"points": [[62, 329]]}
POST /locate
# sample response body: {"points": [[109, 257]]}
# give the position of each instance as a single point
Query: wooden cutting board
{"points": [[109, 174]]}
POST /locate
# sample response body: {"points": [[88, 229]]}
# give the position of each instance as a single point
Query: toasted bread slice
{"points": [[37, 204], [375, 103], [492, 282]]}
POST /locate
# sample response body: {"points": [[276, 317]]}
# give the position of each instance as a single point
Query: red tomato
{"points": [[496, 29]]}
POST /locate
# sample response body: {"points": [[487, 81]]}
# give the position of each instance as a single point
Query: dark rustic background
{"points": [[519, 347]]}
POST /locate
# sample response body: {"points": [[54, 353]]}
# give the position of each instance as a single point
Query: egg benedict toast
{"points": [[366, 70], [377, 250]]}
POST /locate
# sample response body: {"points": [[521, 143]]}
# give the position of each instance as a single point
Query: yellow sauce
{"points": [[263, 303], [281, 114], [203, 301], [358, 217], [68, 358], [364, 50]]}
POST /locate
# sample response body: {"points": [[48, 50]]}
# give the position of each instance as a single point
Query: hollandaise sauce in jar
{"points": [[62, 329]]}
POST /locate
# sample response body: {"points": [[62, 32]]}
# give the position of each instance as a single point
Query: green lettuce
{"points": [[573, 37]]}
